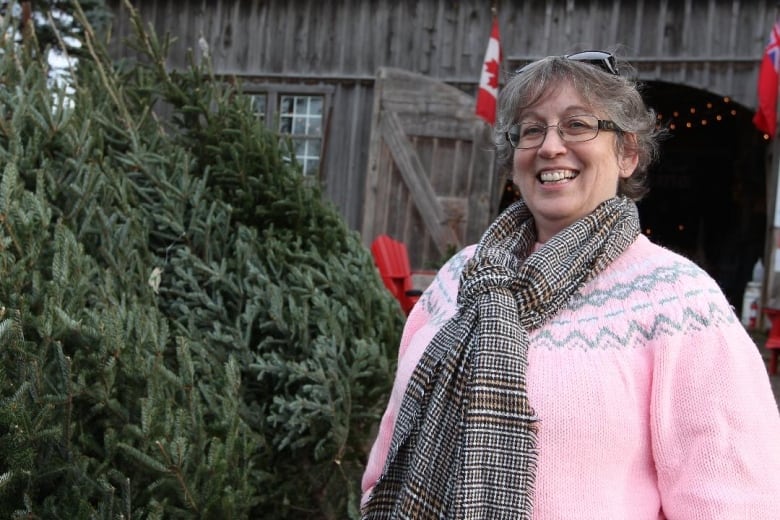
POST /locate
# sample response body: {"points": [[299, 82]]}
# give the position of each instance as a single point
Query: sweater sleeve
{"points": [[714, 421], [436, 305]]}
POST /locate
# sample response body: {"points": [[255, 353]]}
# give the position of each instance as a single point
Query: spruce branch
{"points": [[65, 372], [8, 195], [175, 469], [109, 82]]}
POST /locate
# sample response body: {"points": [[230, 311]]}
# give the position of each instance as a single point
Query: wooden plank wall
{"points": [[714, 45]]}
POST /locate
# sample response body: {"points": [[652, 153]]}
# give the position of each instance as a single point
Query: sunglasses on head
{"points": [[601, 59]]}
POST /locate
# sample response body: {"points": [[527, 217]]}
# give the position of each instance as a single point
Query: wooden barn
{"points": [[379, 97]]}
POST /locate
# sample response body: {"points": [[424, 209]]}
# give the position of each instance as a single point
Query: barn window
{"points": [[298, 114], [300, 117]]}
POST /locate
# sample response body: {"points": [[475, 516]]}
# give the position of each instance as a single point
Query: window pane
{"points": [[286, 105], [315, 106], [299, 125], [315, 126], [300, 148], [302, 116], [258, 103], [312, 167]]}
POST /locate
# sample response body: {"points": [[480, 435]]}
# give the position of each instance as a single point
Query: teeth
{"points": [[557, 175]]}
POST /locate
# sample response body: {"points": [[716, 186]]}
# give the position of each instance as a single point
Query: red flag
{"points": [[766, 115], [487, 94]]}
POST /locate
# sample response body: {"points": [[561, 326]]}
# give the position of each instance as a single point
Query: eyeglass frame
{"points": [[601, 124], [600, 59]]}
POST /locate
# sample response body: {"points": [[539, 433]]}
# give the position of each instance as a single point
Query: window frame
{"points": [[272, 117]]}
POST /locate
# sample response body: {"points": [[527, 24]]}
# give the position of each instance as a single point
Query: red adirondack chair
{"points": [[392, 259]]}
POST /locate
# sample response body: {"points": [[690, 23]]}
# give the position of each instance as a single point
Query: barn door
{"points": [[430, 180]]}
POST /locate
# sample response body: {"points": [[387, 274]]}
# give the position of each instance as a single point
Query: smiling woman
{"points": [[565, 366]]}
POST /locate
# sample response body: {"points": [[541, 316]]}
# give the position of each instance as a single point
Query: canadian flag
{"points": [[487, 94], [766, 115]]}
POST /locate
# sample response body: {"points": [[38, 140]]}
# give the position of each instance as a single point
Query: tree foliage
{"points": [[187, 329]]}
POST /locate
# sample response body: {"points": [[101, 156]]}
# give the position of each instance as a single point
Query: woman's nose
{"points": [[553, 143]]}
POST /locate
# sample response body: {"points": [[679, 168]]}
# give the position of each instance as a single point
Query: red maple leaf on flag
{"points": [[491, 67], [487, 92]]}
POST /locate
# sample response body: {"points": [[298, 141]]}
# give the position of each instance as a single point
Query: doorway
{"points": [[707, 197]]}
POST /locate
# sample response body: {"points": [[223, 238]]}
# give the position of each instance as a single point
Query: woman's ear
{"points": [[629, 157]]}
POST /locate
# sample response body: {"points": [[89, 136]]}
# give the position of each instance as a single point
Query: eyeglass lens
{"points": [[574, 129]]}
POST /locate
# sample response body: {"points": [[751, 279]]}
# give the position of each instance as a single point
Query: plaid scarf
{"points": [[464, 444]]}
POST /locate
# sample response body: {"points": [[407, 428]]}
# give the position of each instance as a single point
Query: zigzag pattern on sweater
{"points": [[642, 283], [574, 335], [636, 318]]}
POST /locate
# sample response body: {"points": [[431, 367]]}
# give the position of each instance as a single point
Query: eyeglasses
{"points": [[574, 129], [601, 59]]}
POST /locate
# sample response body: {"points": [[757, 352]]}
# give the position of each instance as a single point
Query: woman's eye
{"points": [[576, 123], [531, 130]]}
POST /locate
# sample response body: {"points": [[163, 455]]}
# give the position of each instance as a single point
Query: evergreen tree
{"points": [[52, 20], [187, 329]]}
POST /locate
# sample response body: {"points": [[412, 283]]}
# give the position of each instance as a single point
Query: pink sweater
{"points": [[653, 400]]}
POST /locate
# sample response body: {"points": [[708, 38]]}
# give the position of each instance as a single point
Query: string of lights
{"points": [[698, 116]]}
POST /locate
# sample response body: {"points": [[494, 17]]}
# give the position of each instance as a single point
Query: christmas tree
{"points": [[187, 329]]}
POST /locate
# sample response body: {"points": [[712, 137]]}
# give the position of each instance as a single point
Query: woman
{"points": [[566, 367]]}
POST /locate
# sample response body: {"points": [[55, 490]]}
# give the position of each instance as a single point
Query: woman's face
{"points": [[562, 182]]}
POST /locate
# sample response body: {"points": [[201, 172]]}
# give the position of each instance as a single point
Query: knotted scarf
{"points": [[464, 444]]}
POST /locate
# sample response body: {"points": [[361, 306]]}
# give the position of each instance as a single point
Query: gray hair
{"points": [[617, 96]]}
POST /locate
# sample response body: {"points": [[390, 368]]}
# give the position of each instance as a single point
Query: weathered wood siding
{"points": [[713, 45]]}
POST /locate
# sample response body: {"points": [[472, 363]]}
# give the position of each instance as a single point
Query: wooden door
{"points": [[431, 179]]}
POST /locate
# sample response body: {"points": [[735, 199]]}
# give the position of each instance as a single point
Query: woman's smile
{"points": [[548, 177]]}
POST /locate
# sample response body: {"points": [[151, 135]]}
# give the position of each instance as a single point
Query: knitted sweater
{"points": [[653, 400]]}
